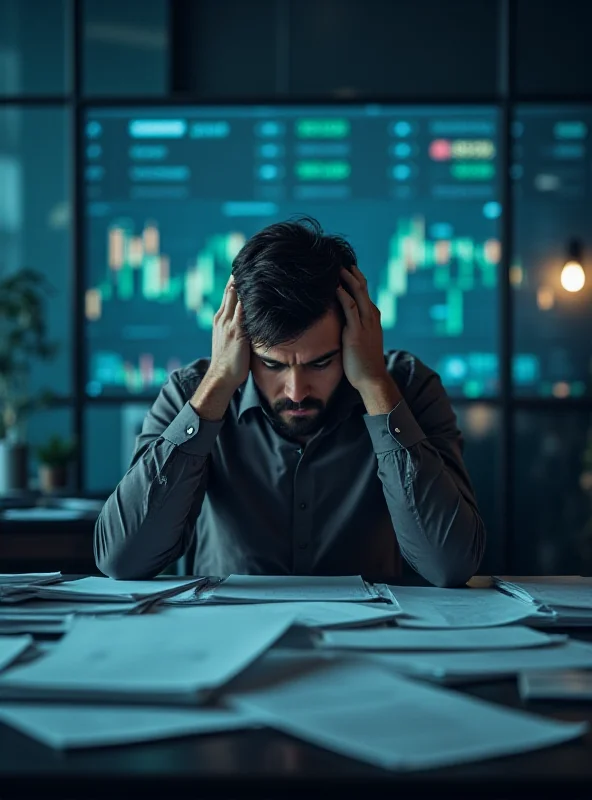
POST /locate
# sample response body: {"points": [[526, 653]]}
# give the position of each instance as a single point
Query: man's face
{"points": [[297, 381]]}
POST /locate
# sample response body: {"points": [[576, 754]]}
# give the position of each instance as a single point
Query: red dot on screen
{"points": [[440, 149]]}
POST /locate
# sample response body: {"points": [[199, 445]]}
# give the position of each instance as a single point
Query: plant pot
{"points": [[13, 467], [52, 478]]}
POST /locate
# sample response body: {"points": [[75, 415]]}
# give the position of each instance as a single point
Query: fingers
{"points": [[227, 303], [359, 287], [350, 308]]}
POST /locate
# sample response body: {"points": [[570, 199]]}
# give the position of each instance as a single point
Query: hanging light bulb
{"points": [[573, 276]]}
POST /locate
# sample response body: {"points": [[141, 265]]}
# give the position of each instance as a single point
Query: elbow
{"points": [[459, 566], [110, 559]]}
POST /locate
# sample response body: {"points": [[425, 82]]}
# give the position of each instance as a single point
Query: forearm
{"points": [[439, 531], [149, 519], [428, 494]]}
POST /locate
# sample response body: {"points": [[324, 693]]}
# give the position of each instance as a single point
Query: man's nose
{"points": [[297, 388]]}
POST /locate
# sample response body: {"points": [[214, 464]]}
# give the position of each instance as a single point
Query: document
{"points": [[295, 588], [11, 647], [15, 587], [109, 590], [68, 727], [433, 607], [486, 665], [312, 614], [515, 636], [563, 591], [556, 684], [148, 658], [358, 710]]}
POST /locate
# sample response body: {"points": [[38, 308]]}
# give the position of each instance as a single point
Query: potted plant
{"points": [[23, 340], [54, 458]]}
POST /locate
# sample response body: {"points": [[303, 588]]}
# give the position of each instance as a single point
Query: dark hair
{"points": [[286, 277]]}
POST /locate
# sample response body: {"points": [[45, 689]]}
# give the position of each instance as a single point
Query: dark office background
{"points": [[525, 64]]}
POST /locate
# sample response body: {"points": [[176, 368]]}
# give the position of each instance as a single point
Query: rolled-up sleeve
{"points": [[149, 520], [426, 485]]}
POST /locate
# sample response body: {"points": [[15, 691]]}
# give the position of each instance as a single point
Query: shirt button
{"points": [[397, 430], [189, 430], [303, 506]]}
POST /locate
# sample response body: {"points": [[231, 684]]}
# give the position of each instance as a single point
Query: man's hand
{"points": [[362, 343], [231, 352], [363, 355]]}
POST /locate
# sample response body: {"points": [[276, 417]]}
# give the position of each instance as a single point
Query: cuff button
{"points": [[397, 430], [189, 430]]}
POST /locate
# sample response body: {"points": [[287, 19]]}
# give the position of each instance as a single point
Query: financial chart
{"points": [[552, 178], [172, 194]]}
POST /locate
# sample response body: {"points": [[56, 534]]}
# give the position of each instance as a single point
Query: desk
{"points": [[264, 764]]}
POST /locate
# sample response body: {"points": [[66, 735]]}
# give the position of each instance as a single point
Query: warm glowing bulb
{"points": [[573, 277]]}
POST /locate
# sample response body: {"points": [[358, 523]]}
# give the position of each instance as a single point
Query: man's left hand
{"points": [[363, 355]]}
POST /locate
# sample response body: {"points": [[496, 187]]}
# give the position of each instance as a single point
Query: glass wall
{"points": [[197, 123]]}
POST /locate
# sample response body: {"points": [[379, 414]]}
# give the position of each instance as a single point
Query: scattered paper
{"points": [[565, 591], [420, 640], [434, 607], [490, 664], [70, 726], [298, 588], [555, 684], [358, 710], [107, 589], [11, 647], [148, 658], [311, 614]]}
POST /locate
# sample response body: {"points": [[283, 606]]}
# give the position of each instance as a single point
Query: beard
{"points": [[293, 426]]}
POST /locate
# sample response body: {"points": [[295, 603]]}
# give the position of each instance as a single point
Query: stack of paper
{"points": [[509, 637], [293, 588], [107, 590], [433, 607], [148, 658], [15, 587], [560, 684], [567, 598], [355, 708]]}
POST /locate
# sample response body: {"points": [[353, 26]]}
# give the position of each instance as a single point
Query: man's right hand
{"points": [[231, 351]]}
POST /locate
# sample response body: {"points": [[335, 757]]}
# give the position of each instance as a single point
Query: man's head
{"points": [[286, 277]]}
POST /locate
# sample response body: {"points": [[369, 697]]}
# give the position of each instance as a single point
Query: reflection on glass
{"points": [[109, 443], [125, 47], [553, 493], [480, 426], [35, 220], [34, 47], [172, 194], [552, 271], [40, 427]]}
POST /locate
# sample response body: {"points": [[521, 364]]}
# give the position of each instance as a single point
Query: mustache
{"points": [[287, 405]]}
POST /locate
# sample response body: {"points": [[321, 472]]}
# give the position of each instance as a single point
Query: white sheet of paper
{"points": [[421, 640], [467, 666], [567, 591], [11, 647], [148, 658], [53, 608], [356, 709], [28, 577], [433, 607], [299, 588], [72, 726], [106, 589], [311, 614]]}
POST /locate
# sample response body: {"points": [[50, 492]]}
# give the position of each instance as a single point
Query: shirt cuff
{"points": [[191, 434], [398, 430]]}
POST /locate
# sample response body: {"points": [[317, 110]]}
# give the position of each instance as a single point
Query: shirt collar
{"points": [[349, 399]]}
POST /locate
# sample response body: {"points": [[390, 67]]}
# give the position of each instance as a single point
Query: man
{"points": [[299, 447]]}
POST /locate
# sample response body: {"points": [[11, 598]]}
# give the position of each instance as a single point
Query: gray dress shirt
{"points": [[246, 500]]}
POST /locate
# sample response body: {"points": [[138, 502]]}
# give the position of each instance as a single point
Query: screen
{"points": [[552, 190], [172, 194]]}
